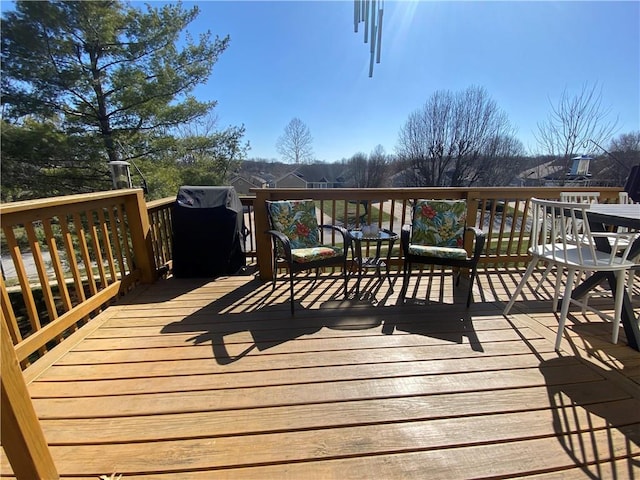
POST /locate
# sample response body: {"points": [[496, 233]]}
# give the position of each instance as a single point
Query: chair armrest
{"points": [[479, 239], [286, 244], [621, 243], [346, 238]]}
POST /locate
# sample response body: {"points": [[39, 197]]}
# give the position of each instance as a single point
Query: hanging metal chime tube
{"points": [[379, 28], [370, 12], [367, 24]]}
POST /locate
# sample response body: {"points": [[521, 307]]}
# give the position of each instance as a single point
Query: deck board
{"points": [[214, 379]]}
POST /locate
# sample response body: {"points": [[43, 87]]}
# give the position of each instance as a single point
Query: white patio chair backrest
{"points": [[580, 197], [624, 198], [575, 234], [552, 219]]}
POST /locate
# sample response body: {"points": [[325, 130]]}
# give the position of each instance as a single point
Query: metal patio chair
{"points": [[296, 237]]}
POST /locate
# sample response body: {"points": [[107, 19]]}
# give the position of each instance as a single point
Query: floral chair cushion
{"points": [[296, 219], [305, 255], [438, 228]]}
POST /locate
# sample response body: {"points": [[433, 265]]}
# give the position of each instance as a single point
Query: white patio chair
{"points": [[625, 199], [549, 244], [572, 234], [580, 197]]}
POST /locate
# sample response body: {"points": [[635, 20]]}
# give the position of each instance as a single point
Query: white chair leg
{"points": [[618, 305], [556, 291], [566, 300], [545, 274], [585, 300], [521, 285]]}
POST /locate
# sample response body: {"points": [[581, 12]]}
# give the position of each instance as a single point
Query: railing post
{"points": [[140, 229], [472, 215], [263, 242], [22, 436]]}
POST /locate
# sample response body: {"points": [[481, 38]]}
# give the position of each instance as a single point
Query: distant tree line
{"points": [[464, 139]]}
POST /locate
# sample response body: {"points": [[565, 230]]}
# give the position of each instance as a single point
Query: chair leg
{"points": [[346, 277], [556, 291], [405, 280], [274, 273], [545, 274], [520, 286], [471, 280], [291, 289], [566, 300]]}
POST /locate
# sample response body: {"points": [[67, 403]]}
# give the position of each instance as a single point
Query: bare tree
{"points": [[445, 141], [377, 167], [357, 170], [500, 161], [368, 172], [295, 143], [573, 122], [627, 143], [616, 163]]}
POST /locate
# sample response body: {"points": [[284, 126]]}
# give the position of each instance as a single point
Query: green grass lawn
{"points": [[352, 219]]}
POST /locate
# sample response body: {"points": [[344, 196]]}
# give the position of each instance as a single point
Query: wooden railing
{"points": [[70, 258], [501, 212], [250, 224], [159, 212]]}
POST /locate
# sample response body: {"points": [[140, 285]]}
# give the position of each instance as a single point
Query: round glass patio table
{"points": [[382, 236]]}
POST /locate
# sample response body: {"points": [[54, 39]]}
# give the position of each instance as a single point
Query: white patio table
{"points": [[600, 218]]}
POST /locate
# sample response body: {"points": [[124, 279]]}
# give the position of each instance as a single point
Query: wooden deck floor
{"points": [[198, 380]]}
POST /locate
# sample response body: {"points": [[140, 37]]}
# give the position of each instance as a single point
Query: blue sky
{"points": [[302, 59]]}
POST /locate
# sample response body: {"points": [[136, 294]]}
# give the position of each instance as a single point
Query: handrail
{"points": [[85, 250], [250, 224]]}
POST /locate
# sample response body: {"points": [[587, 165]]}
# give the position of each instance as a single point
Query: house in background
{"points": [[291, 180], [242, 184], [536, 176], [320, 175]]}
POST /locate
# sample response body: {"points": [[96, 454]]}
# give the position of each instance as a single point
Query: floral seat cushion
{"points": [[438, 252], [438, 228], [306, 255]]}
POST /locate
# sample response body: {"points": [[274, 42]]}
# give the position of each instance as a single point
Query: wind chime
{"points": [[370, 12]]}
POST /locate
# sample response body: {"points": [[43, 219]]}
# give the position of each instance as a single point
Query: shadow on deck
{"points": [[205, 379]]}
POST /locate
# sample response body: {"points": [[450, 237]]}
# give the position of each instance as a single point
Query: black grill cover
{"points": [[208, 226]]}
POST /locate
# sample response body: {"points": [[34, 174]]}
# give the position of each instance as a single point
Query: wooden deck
{"points": [[214, 379]]}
